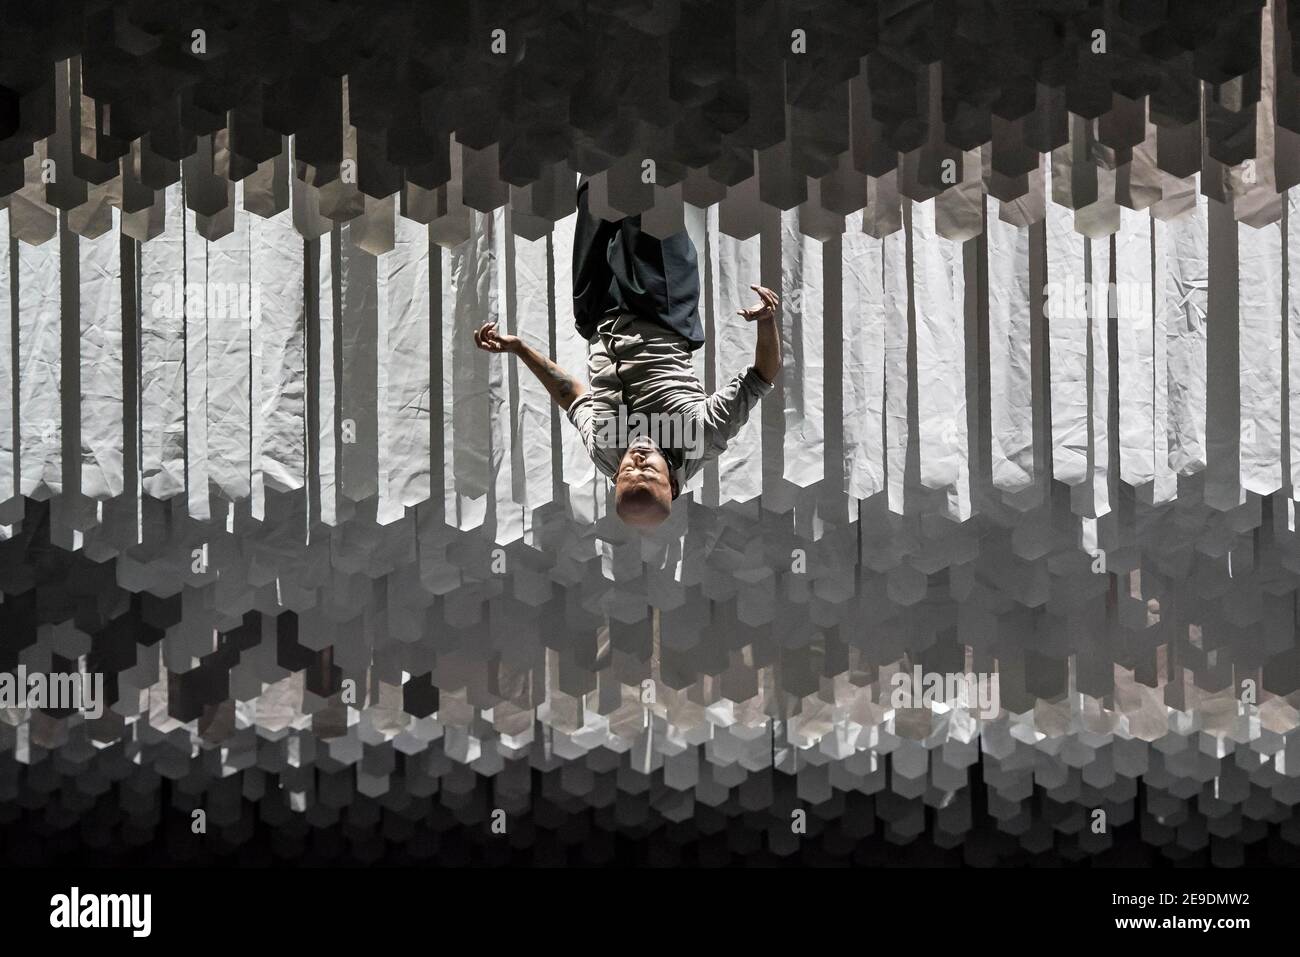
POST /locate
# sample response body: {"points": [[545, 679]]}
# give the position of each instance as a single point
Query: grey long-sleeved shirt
{"points": [[642, 381]]}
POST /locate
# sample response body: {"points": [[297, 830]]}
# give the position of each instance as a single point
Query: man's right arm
{"points": [[561, 386]]}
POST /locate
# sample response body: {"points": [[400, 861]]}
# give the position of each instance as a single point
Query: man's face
{"points": [[643, 488]]}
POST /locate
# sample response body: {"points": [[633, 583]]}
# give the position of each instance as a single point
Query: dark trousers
{"points": [[619, 268]]}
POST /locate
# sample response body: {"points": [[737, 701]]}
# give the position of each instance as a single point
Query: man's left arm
{"points": [[767, 348], [727, 410], [559, 385]]}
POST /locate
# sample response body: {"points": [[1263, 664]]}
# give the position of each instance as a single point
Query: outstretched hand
{"points": [[766, 309], [767, 345], [488, 339]]}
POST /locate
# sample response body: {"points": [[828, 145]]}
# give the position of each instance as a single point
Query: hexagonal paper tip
{"points": [[958, 212], [815, 221], [94, 217], [883, 219], [524, 223], [266, 190], [147, 223], [374, 231], [740, 212], [529, 227], [1259, 207], [666, 216], [217, 226], [31, 222], [451, 228], [1023, 211]]}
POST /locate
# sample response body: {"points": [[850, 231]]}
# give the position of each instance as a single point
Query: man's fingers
{"points": [[769, 303], [485, 337]]}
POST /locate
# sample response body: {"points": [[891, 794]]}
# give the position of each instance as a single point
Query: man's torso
{"points": [[642, 380]]}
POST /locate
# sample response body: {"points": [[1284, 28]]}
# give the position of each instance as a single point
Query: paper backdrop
{"points": [[341, 570]]}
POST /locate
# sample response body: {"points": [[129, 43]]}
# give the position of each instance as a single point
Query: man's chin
{"points": [[644, 519], [635, 487], [641, 505]]}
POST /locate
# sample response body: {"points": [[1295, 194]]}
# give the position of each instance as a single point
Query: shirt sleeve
{"points": [[582, 413], [727, 410]]}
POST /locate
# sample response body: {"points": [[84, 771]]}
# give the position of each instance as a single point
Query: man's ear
{"points": [[672, 479]]}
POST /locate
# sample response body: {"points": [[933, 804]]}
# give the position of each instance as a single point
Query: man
{"points": [[645, 420]]}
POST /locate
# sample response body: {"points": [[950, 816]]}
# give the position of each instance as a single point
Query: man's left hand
{"points": [[766, 309]]}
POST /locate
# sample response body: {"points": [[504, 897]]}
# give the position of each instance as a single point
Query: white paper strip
{"points": [[1183, 277], [162, 353], [406, 361], [802, 306], [1011, 408], [896, 375], [358, 384], [1166, 477], [533, 324], [196, 371], [1099, 394], [277, 264], [1133, 302], [736, 265], [101, 364], [586, 485], [39, 375], [864, 362], [695, 220], [465, 281], [939, 294], [1259, 284], [227, 311], [328, 454], [1067, 315], [8, 477], [389, 509], [501, 395], [1293, 333]]}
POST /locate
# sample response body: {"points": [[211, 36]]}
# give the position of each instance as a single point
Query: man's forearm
{"points": [[561, 386], [767, 350]]}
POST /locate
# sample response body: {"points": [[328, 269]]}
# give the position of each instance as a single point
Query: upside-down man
{"points": [[644, 417]]}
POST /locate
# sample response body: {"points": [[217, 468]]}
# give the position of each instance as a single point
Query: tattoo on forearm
{"points": [[561, 386], [563, 381]]}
